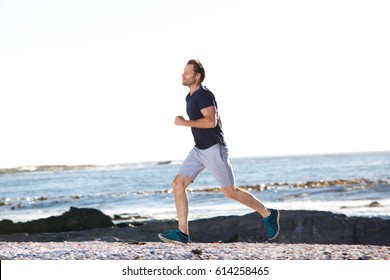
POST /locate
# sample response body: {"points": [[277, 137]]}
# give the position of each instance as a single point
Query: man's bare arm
{"points": [[209, 119]]}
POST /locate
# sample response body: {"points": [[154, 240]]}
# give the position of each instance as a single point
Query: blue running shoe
{"points": [[272, 223], [172, 236]]}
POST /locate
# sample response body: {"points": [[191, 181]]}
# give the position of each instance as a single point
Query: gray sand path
{"points": [[101, 250]]}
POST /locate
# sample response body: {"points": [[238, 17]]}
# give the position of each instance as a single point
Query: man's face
{"points": [[189, 77]]}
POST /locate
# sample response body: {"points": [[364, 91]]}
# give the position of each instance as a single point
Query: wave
{"points": [[60, 167], [45, 168], [344, 186]]}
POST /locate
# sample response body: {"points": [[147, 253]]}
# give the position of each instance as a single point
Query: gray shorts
{"points": [[215, 159]]}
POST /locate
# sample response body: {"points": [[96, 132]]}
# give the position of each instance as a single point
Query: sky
{"points": [[99, 82]]}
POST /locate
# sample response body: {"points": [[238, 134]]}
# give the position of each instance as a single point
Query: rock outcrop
{"points": [[76, 219], [297, 226]]}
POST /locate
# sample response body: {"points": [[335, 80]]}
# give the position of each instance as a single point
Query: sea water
{"points": [[142, 191]]}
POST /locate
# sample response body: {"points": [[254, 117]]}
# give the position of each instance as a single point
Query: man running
{"points": [[210, 152]]}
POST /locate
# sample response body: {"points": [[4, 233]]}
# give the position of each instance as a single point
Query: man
{"points": [[210, 152]]}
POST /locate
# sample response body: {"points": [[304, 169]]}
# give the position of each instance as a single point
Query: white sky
{"points": [[86, 82]]}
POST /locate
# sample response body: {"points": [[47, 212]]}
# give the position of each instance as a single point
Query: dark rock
{"points": [[373, 231], [76, 219], [375, 204], [197, 252], [297, 226]]}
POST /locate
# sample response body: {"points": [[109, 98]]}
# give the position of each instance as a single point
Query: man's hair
{"points": [[198, 68]]}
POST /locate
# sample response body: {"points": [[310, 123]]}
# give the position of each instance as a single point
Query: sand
{"points": [[102, 250]]}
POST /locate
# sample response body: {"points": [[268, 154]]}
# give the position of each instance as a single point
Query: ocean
{"points": [[355, 184]]}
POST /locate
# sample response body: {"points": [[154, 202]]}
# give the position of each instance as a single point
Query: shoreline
{"points": [[374, 206], [101, 250], [299, 226], [58, 167], [304, 235]]}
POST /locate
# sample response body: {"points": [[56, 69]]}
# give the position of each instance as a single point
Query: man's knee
{"points": [[180, 183], [230, 191]]}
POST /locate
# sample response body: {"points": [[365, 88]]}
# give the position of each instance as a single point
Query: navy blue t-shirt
{"points": [[204, 137]]}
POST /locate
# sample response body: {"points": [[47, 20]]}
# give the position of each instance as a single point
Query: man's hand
{"points": [[179, 120]]}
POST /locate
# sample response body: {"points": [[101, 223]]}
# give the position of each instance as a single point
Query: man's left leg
{"points": [[247, 199], [270, 216], [220, 167]]}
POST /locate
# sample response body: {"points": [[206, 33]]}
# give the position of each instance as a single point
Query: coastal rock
{"points": [[373, 231], [297, 226], [76, 219]]}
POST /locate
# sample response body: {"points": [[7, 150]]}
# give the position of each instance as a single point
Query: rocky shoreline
{"points": [[297, 226], [88, 234]]}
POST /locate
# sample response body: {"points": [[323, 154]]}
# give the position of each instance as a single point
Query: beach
{"points": [[304, 235], [354, 187], [341, 183], [102, 250]]}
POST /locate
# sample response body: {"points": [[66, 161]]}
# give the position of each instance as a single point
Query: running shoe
{"points": [[272, 223], [174, 236]]}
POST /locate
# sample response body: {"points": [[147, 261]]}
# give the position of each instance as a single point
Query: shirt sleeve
{"points": [[206, 100]]}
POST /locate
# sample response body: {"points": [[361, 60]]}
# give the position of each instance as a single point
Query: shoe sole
{"points": [[277, 222], [167, 240]]}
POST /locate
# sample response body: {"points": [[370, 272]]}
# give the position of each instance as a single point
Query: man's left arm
{"points": [[209, 119]]}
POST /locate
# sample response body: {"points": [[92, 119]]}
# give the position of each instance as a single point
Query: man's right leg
{"points": [[180, 184], [189, 170], [180, 236]]}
